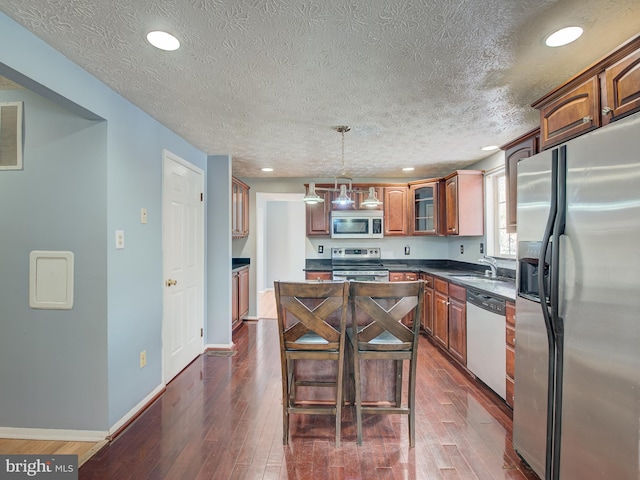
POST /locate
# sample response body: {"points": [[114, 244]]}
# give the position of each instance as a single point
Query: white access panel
{"points": [[51, 280]]}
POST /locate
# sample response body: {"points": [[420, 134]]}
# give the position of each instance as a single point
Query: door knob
{"points": [[171, 282]]}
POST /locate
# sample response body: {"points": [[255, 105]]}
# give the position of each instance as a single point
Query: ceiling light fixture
{"points": [[267, 169], [344, 185], [408, 169], [312, 197], [563, 36], [489, 148], [163, 40], [343, 198]]}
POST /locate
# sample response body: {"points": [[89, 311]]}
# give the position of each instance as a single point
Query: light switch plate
{"points": [[143, 215]]}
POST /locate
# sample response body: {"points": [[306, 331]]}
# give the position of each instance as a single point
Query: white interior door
{"points": [[183, 263]]}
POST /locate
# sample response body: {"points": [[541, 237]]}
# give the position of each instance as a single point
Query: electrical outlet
{"points": [[407, 250], [320, 248], [119, 239], [143, 358], [461, 248], [481, 247]]}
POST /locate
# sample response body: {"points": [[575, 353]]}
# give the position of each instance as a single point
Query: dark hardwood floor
{"points": [[222, 418]]}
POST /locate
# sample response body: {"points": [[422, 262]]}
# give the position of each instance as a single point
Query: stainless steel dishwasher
{"points": [[486, 327]]}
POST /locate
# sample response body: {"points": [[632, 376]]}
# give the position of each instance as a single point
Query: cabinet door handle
{"points": [[171, 282], [587, 119], [607, 110]]}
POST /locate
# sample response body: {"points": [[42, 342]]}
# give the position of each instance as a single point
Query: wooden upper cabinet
{"points": [[239, 208], [572, 114], [605, 91], [319, 216], [464, 198], [426, 207], [621, 88], [395, 210], [523, 147]]}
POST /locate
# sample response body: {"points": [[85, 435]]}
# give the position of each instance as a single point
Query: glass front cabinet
{"points": [[427, 207]]}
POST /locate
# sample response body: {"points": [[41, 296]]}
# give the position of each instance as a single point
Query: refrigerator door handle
{"points": [[556, 320], [547, 315]]}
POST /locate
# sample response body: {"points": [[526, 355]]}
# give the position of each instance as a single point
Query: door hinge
{"points": [[202, 197], [202, 332]]}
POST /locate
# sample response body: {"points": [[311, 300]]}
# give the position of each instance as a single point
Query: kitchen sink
{"points": [[477, 278]]}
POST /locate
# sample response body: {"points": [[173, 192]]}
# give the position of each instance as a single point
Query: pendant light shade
{"points": [[343, 198], [372, 200], [312, 197]]}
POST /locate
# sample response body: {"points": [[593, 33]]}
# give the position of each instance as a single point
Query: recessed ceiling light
{"points": [[490, 148], [267, 169], [408, 169], [163, 40], [563, 36]]}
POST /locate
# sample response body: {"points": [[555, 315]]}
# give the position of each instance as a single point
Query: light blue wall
{"points": [[218, 251], [53, 363], [126, 284]]}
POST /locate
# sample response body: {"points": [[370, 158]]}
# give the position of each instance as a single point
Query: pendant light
{"points": [[312, 197], [343, 198], [343, 185], [372, 200]]}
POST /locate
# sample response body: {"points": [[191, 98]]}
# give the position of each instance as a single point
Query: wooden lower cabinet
{"points": [[239, 296], [427, 308], [450, 319], [404, 277], [319, 276], [458, 323], [441, 313], [510, 351]]}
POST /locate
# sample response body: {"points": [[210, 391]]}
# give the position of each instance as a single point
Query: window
{"points": [[500, 243], [11, 136]]}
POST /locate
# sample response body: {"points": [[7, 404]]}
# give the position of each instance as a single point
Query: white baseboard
{"points": [[53, 434], [218, 346], [252, 318], [135, 410]]}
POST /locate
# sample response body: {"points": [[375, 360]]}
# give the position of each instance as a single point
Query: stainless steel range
{"points": [[363, 264]]}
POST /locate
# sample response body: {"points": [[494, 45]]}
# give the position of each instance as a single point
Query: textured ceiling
{"points": [[422, 83]]}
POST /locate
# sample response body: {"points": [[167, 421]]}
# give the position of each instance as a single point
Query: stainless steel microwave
{"points": [[357, 224]]}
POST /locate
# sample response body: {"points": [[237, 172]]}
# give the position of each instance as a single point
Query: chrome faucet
{"points": [[492, 263]]}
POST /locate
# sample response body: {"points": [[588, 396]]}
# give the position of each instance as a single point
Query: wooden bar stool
{"points": [[377, 311], [312, 323]]}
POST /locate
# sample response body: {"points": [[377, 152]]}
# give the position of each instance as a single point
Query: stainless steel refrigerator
{"points": [[577, 366]]}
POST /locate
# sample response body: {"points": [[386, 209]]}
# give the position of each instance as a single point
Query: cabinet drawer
{"points": [[396, 276], [458, 292], [319, 276], [441, 285], [510, 352], [411, 276]]}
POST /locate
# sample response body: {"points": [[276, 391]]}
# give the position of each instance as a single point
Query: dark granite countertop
{"points": [[237, 263], [468, 275]]}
